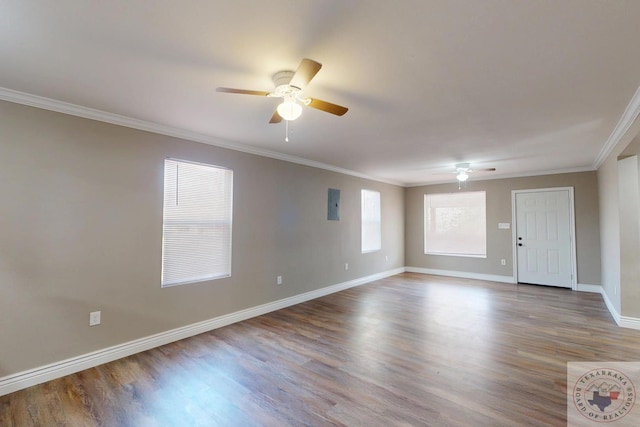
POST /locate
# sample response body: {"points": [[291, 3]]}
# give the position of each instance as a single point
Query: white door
{"points": [[543, 238]]}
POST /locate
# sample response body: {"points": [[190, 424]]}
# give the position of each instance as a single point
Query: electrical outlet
{"points": [[503, 261], [279, 280], [94, 318], [346, 265], [386, 257]]}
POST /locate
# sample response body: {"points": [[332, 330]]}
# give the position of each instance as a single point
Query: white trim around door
{"points": [[574, 272]]}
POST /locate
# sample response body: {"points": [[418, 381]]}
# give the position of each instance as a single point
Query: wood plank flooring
{"points": [[410, 350]]}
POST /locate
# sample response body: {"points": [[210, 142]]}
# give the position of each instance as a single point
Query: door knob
{"points": [[519, 244], [519, 238]]}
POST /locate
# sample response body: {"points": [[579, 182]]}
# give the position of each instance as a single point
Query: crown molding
{"points": [[512, 175], [631, 113], [115, 119], [628, 118]]}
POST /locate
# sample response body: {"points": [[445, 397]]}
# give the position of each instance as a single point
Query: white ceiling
{"points": [[527, 87]]}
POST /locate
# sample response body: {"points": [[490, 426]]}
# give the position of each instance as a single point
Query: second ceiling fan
{"points": [[290, 85], [464, 169]]}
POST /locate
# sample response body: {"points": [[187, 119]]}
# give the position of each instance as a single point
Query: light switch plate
{"points": [[94, 318]]}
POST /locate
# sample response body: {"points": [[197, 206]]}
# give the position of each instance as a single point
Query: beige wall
{"points": [[610, 230], [629, 213], [499, 242], [629, 207], [80, 230]]}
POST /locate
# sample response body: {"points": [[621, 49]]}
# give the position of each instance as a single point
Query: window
{"points": [[371, 226], [196, 229], [455, 224]]}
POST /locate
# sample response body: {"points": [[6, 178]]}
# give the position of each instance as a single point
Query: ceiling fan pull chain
{"points": [[286, 134]]}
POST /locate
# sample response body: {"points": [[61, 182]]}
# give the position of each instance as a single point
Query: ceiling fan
{"points": [[290, 85], [464, 169]]}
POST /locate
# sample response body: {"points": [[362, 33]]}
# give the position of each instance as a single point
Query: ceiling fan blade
{"points": [[328, 107], [307, 69], [275, 118], [486, 170], [242, 91]]}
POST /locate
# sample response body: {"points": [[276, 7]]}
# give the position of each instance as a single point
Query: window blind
{"points": [[455, 224], [197, 222], [371, 221]]}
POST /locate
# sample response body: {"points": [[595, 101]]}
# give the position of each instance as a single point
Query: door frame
{"points": [[572, 231]]}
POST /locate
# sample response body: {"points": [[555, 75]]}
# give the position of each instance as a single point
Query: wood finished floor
{"points": [[410, 350]]}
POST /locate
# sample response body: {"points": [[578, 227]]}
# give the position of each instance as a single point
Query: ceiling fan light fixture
{"points": [[289, 110], [462, 176]]}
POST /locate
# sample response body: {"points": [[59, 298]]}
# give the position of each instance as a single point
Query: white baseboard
{"points": [[596, 289], [21, 380], [629, 322], [600, 290], [622, 321], [461, 274]]}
